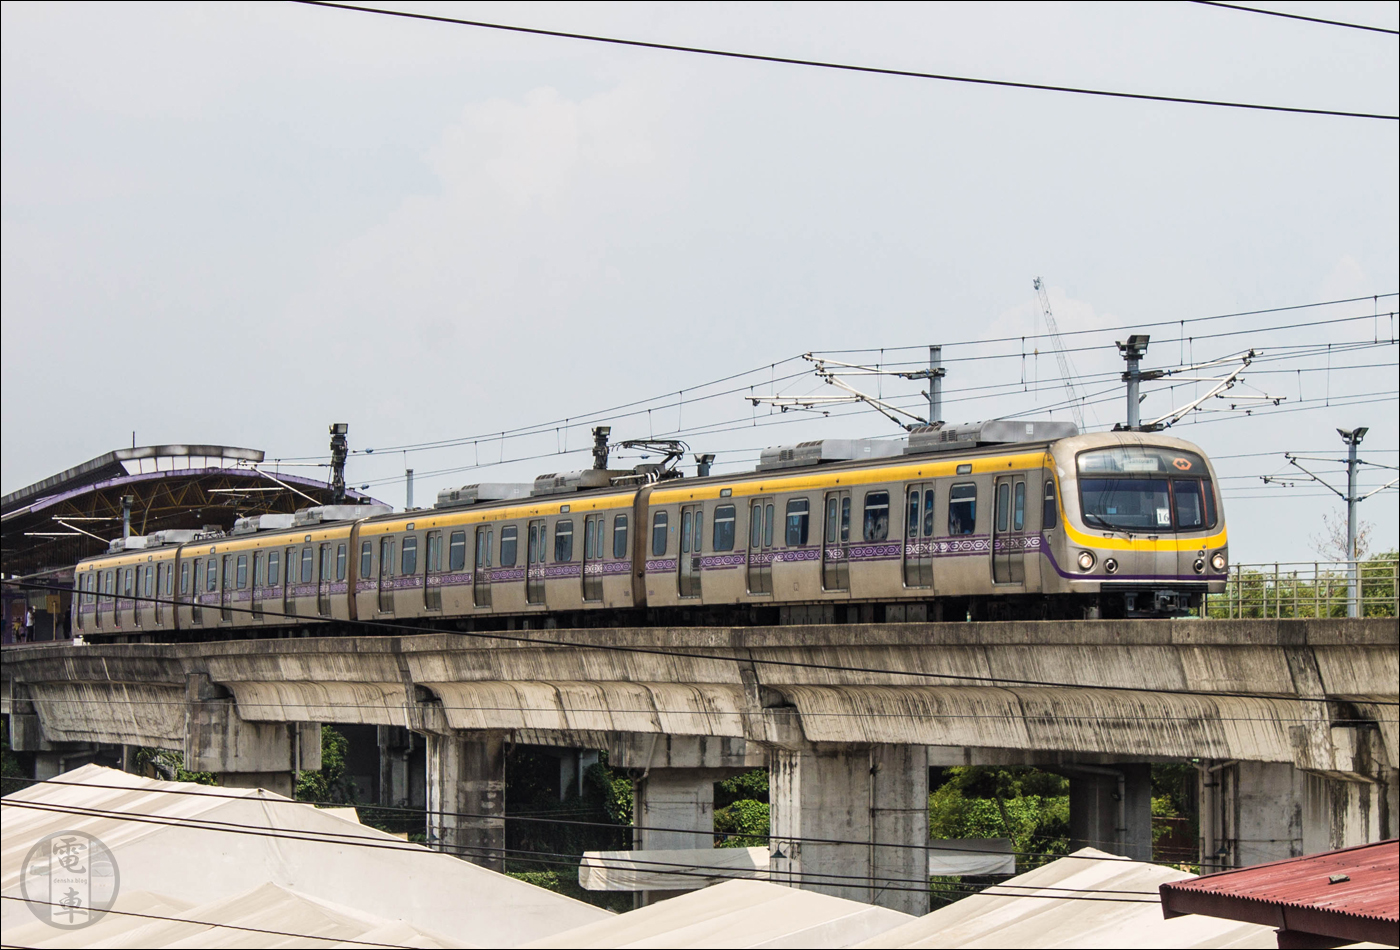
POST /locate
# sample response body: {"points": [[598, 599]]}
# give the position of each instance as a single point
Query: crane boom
{"points": [[1076, 402]]}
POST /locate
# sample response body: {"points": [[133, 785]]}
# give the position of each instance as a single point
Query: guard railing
{"points": [[1286, 589]]}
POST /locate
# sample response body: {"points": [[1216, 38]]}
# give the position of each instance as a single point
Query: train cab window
{"points": [[274, 568], [1050, 516], [723, 539], [564, 540], [457, 551], [1190, 508], [798, 516], [340, 559], [962, 509], [659, 522], [620, 536], [510, 542], [366, 558], [242, 575], [1018, 508], [877, 516], [409, 560], [308, 564]]}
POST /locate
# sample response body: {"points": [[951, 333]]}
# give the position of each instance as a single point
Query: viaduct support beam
{"points": [[674, 810], [873, 799], [244, 754], [1110, 808], [467, 796]]}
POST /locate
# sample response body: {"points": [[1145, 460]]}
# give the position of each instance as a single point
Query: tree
{"points": [[1332, 542]]}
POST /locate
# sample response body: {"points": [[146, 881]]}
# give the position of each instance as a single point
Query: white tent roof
{"points": [[737, 914], [1088, 899], [204, 845]]}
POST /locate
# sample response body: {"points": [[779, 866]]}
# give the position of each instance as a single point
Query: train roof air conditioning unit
{"points": [[485, 491], [821, 451], [255, 523], [970, 435], [325, 513], [559, 483]]}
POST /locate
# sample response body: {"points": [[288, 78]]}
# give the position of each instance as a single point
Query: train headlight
{"points": [[1086, 561], [1218, 562], [1200, 566], [1111, 566]]}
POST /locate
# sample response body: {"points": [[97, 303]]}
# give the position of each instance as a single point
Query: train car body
{"points": [[991, 521]]}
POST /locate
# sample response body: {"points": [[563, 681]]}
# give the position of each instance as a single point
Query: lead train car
{"points": [[973, 522]]}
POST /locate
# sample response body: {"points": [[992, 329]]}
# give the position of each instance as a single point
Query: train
{"points": [[997, 520]]}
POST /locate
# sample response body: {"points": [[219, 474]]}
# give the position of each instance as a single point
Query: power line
{"points": [[516, 637], [209, 923], [1297, 16], [846, 67]]}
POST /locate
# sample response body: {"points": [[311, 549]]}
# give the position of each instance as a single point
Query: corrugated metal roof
{"points": [[1353, 893]]}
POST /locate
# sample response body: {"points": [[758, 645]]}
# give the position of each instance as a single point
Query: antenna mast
{"points": [[1076, 402]]}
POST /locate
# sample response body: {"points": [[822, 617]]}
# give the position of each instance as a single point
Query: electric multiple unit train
{"points": [[993, 520]]}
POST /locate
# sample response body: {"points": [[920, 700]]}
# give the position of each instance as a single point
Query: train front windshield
{"points": [[1145, 488]]}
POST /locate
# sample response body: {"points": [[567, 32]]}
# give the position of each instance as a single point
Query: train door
{"points": [[323, 582], [836, 541], [761, 514], [386, 575], [143, 590], [1008, 530], [289, 588], [918, 535], [481, 577], [432, 571], [259, 579], [593, 557], [692, 536], [535, 547], [226, 590]]}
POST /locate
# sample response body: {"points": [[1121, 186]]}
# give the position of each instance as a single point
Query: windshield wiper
{"points": [[1104, 522]]}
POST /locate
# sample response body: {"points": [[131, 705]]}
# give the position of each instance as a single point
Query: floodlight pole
{"points": [[1133, 349], [340, 450], [936, 372], [1353, 439]]}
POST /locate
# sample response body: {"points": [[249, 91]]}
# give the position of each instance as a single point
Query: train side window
{"points": [[928, 512], [620, 536], [877, 516], [768, 526], [911, 523], [659, 522], [211, 576], [457, 551], [723, 528], [341, 556], [1003, 506], [685, 530], [510, 541], [274, 568], [798, 516], [308, 564], [150, 581], [756, 526], [1050, 516], [962, 509], [409, 560], [564, 540], [366, 559], [242, 571], [184, 578], [386, 557], [1018, 508]]}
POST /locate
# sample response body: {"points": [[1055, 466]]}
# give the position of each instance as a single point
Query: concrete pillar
{"points": [[467, 796], [852, 823], [1110, 808], [244, 754], [280, 783], [1253, 812], [395, 744], [680, 801]]}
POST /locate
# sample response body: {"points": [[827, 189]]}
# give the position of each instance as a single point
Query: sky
{"points": [[238, 223]]}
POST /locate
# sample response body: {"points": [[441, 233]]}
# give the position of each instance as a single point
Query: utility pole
{"points": [[340, 450], [127, 502], [936, 372], [1353, 439], [1133, 349]]}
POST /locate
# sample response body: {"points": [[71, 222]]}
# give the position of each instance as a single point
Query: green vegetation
{"points": [[741, 811], [170, 765], [1320, 592], [329, 783]]}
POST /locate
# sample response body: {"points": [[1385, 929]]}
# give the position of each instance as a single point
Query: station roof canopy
{"points": [[52, 524]]}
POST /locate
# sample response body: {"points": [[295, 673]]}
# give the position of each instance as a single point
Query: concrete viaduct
{"points": [[1292, 724]]}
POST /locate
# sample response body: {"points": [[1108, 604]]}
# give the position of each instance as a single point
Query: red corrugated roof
{"points": [[1300, 894]]}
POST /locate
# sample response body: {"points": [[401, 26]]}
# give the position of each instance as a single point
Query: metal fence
{"points": [[1306, 589]]}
